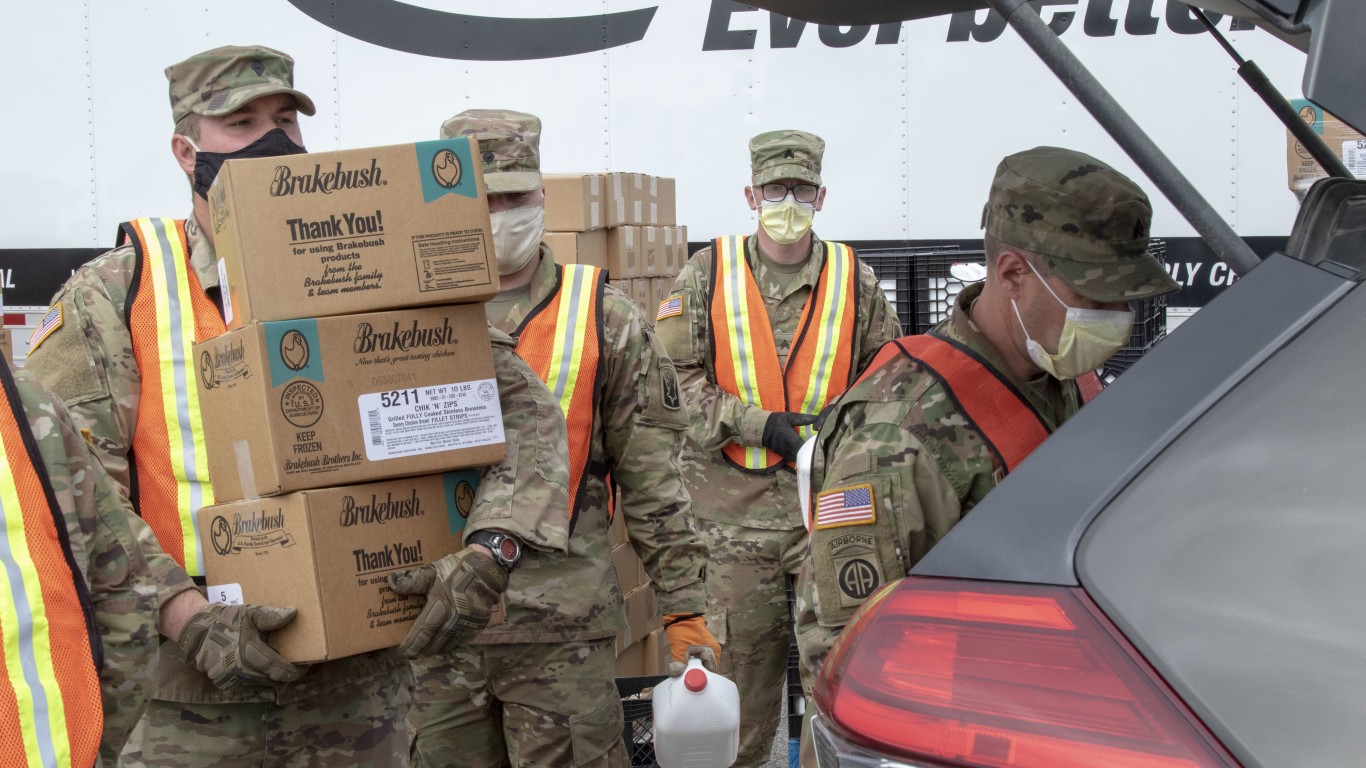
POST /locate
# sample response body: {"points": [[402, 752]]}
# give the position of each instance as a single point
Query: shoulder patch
{"points": [[670, 307], [850, 505], [668, 387], [46, 327]]}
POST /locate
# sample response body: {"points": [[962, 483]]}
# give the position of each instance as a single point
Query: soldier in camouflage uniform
{"points": [[899, 460], [539, 690], [750, 521], [102, 539], [223, 696]]}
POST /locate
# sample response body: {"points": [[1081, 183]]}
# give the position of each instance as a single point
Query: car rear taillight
{"points": [[970, 673]]}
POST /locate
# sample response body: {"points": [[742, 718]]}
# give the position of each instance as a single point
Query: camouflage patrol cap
{"points": [[786, 155], [219, 81], [1088, 220], [509, 146]]}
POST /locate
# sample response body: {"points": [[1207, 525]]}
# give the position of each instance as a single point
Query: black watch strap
{"points": [[506, 549]]}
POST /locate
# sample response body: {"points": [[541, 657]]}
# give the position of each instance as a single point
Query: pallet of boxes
{"points": [[348, 407], [625, 223]]}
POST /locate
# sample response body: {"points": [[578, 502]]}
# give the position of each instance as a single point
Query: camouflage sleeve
{"points": [[877, 319], [643, 421], [87, 361], [104, 542], [718, 417], [880, 500], [527, 493]]}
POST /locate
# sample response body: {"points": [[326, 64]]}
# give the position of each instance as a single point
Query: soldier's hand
{"points": [[462, 590], [688, 638], [228, 643], [780, 432]]}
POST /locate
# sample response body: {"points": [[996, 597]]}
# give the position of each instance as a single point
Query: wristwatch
{"points": [[506, 549]]}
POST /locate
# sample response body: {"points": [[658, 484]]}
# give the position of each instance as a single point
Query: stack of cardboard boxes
{"points": [[625, 223], [642, 649], [354, 393]]}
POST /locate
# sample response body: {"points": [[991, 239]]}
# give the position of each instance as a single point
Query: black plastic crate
{"points": [[896, 272], [938, 278], [893, 270], [638, 726]]}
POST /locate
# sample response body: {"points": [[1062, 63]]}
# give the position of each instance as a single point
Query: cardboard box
{"points": [[650, 200], [574, 202], [311, 403], [642, 615], [1350, 147], [649, 656], [578, 247], [616, 529], [335, 233], [329, 554]]}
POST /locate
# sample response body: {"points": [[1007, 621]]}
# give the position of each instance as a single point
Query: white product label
{"points": [[223, 291], [227, 594], [1354, 156], [442, 417]]}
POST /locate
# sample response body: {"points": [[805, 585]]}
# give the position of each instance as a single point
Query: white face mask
{"points": [[1089, 337], [787, 221], [517, 234]]}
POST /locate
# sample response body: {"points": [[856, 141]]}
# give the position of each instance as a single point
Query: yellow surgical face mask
{"points": [[1089, 337], [788, 221]]}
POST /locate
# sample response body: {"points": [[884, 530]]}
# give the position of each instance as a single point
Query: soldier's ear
{"points": [[820, 199], [1011, 270], [184, 153], [749, 198]]}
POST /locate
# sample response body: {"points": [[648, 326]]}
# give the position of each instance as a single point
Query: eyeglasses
{"points": [[776, 193]]}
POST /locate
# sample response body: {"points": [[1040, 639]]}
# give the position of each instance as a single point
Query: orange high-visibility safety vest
{"points": [[820, 364], [50, 708], [1009, 425], [561, 340], [167, 313]]}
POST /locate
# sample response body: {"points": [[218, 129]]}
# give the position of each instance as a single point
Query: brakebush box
{"points": [[297, 404], [578, 247], [359, 230], [329, 553], [1349, 146]]}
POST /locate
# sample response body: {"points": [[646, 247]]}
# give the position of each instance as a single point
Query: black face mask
{"points": [[273, 143]]}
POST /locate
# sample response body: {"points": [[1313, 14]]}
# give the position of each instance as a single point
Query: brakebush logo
{"points": [[402, 339], [223, 363], [287, 182], [377, 511]]}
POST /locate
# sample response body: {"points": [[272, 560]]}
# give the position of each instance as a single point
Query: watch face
{"points": [[509, 550]]}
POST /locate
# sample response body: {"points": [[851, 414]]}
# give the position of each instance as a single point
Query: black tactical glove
{"points": [[780, 432], [228, 643], [462, 590]]}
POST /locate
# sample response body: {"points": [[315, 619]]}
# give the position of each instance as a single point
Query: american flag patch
{"points": [[50, 322], [670, 307], [845, 506]]}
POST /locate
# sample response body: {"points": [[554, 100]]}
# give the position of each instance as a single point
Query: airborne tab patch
{"points": [[670, 307], [46, 327], [851, 505]]}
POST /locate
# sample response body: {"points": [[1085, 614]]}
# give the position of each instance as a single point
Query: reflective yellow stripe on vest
{"points": [[566, 357], [742, 353], [180, 394], [839, 259], [27, 647]]}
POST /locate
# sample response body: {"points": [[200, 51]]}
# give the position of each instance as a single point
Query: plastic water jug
{"points": [[697, 720]]}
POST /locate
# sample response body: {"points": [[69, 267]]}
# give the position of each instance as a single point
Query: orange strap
{"points": [[561, 340], [745, 357], [168, 489], [1009, 425], [50, 707]]}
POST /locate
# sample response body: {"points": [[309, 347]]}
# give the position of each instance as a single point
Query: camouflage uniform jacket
{"points": [[638, 437], [720, 491], [899, 432], [89, 363], [103, 537]]}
